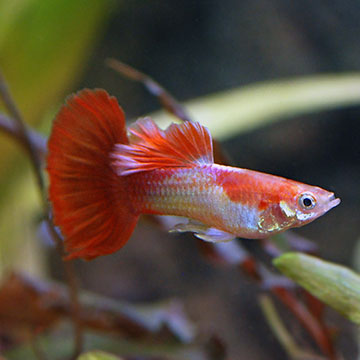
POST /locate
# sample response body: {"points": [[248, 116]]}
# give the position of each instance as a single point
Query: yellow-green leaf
{"points": [[335, 285], [44, 47], [98, 355]]}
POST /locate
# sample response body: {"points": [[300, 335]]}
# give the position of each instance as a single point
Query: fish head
{"points": [[311, 202], [298, 205]]}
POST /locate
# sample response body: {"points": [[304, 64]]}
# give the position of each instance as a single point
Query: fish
{"points": [[103, 176]]}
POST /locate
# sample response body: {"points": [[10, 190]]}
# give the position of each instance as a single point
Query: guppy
{"points": [[101, 180]]}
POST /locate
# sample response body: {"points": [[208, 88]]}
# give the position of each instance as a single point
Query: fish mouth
{"points": [[333, 201]]}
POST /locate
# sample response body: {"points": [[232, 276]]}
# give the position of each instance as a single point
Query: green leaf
{"points": [[55, 37], [44, 46], [335, 285], [231, 112], [98, 355]]}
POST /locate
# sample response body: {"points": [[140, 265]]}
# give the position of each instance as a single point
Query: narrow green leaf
{"points": [[335, 285], [231, 112]]}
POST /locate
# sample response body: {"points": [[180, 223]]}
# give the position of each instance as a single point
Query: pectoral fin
{"points": [[204, 232]]}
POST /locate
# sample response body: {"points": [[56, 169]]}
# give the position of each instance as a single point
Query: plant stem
{"points": [[165, 98], [35, 346], [281, 332], [39, 142], [20, 132]]}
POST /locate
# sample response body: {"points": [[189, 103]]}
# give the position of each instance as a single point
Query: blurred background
{"points": [[49, 49]]}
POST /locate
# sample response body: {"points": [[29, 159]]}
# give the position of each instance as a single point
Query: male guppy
{"points": [[101, 180]]}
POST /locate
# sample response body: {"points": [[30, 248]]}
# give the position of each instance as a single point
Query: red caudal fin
{"points": [[89, 201], [180, 145]]}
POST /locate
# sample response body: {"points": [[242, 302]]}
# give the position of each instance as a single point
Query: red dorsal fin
{"points": [[89, 201], [181, 145]]}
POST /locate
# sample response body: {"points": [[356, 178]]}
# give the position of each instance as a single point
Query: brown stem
{"points": [[22, 134], [72, 288], [165, 98], [19, 131], [39, 142], [168, 102]]}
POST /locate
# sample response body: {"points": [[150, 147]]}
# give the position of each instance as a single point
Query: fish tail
{"points": [[89, 200]]}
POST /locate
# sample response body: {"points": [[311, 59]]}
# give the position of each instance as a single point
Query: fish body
{"points": [[241, 202], [102, 179]]}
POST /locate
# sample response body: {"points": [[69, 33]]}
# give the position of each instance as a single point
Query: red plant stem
{"points": [[250, 267], [236, 256], [315, 306], [280, 286], [307, 320]]}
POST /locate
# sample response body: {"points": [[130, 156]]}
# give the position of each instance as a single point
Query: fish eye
{"points": [[307, 201]]}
